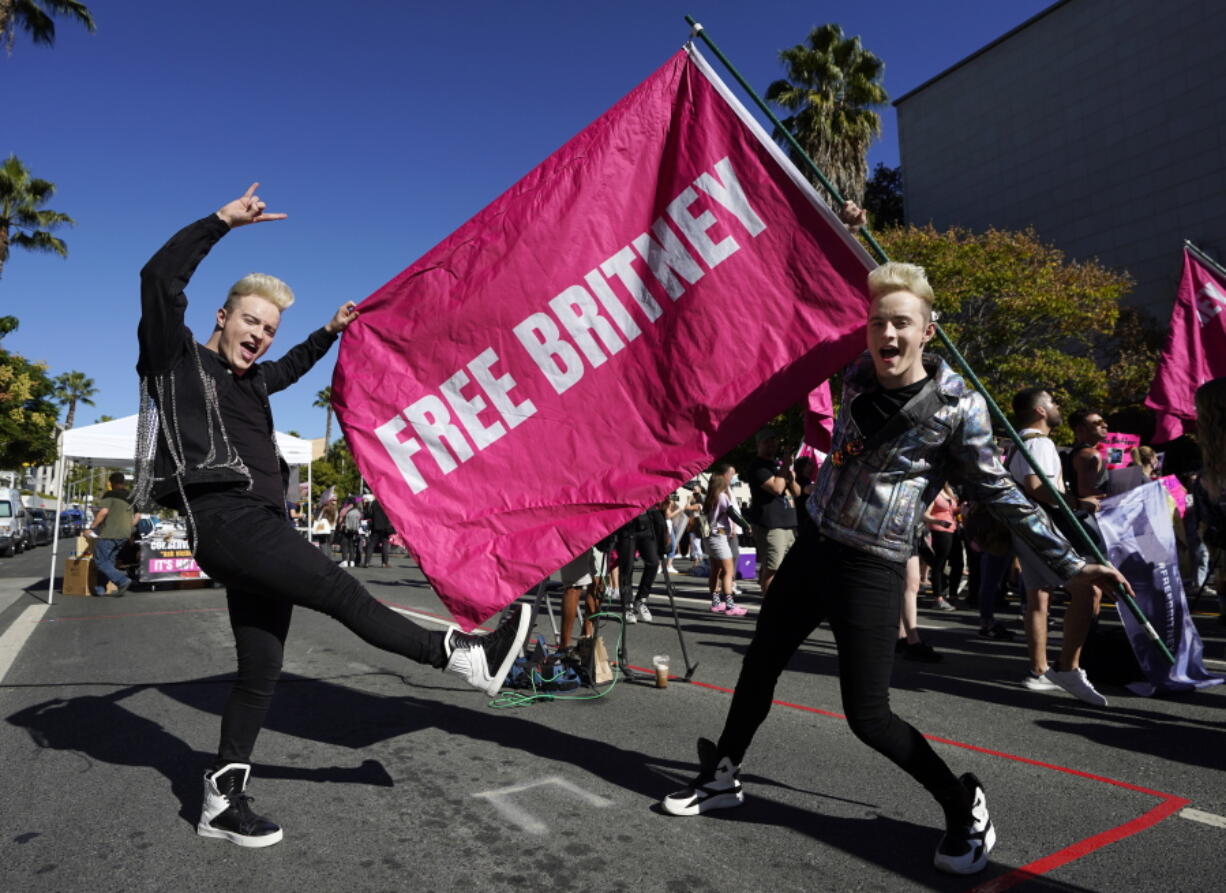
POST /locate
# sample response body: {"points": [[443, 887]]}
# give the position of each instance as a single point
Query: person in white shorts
{"points": [[1035, 409]]}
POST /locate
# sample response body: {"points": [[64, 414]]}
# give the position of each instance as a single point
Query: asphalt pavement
{"points": [[391, 776]]}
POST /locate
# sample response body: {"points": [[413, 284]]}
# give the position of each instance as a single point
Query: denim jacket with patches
{"points": [[874, 501]]}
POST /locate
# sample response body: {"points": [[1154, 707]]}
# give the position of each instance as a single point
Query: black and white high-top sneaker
{"points": [[485, 660], [716, 787], [964, 848], [227, 814]]}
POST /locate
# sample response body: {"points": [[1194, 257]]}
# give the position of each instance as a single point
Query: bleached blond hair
{"points": [[894, 276], [270, 288]]}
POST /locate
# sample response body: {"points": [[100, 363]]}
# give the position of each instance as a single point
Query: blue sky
{"points": [[379, 127]]}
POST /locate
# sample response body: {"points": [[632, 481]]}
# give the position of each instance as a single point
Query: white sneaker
{"points": [[631, 615], [964, 849], [1038, 682], [716, 787], [1075, 683], [485, 660], [643, 611]]}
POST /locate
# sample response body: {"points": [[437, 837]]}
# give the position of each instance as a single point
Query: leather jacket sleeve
{"points": [[976, 465]]}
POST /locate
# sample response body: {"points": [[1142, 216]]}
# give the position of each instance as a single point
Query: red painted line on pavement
{"points": [[1082, 848], [1170, 804]]}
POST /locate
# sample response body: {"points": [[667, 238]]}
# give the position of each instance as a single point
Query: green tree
{"points": [[36, 18], [335, 468], [72, 388], [1020, 313], [1132, 355], [323, 400], [831, 90], [883, 197], [27, 414], [24, 223]]}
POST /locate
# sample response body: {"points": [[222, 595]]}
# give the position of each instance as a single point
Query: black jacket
{"points": [[181, 440]]}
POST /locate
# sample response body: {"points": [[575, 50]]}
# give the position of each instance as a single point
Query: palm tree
{"points": [[72, 388], [323, 400], [23, 222], [35, 17], [832, 87]]}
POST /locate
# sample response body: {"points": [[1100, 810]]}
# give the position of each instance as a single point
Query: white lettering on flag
{"points": [[580, 315], [664, 255], [1209, 303]]}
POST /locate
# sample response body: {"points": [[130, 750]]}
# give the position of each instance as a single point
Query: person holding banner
{"points": [[906, 424], [205, 447]]}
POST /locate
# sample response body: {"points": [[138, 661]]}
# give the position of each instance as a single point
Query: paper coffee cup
{"points": [[660, 661]]}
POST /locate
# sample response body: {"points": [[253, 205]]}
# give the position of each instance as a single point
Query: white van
{"points": [[12, 522]]}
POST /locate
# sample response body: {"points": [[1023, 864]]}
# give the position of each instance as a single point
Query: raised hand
{"points": [[853, 216], [345, 314], [247, 209]]}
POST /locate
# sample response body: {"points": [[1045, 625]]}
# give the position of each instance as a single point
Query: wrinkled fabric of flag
{"points": [[633, 308], [1195, 349]]}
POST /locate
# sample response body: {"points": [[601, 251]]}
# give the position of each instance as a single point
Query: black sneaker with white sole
{"points": [[964, 848], [226, 813], [485, 660], [716, 787]]}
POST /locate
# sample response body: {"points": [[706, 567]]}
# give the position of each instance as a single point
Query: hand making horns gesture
{"points": [[247, 209]]}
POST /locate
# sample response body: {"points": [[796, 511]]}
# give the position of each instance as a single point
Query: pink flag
{"points": [[1195, 348], [637, 305], [819, 418]]}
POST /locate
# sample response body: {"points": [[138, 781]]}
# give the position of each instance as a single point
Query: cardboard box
{"points": [[79, 576]]}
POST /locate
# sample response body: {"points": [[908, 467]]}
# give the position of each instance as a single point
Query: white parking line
{"points": [[1205, 818], [16, 635]]}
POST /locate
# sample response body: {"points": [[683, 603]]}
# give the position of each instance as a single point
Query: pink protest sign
{"points": [[567, 357], [1178, 493], [1195, 348], [1116, 449]]}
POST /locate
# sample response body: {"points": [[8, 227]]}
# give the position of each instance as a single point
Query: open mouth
{"points": [[889, 353], [248, 351]]}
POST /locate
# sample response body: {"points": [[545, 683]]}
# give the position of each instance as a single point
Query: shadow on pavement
{"points": [[102, 729]]}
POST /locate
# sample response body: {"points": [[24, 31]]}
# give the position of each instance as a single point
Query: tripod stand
{"points": [[623, 652]]}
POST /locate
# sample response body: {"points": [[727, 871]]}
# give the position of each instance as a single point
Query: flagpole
{"points": [[1221, 271], [1056, 498]]}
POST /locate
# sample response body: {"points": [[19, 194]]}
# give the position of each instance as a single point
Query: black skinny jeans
{"points": [[267, 568], [377, 539], [946, 550], [647, 547], [860, 595]]}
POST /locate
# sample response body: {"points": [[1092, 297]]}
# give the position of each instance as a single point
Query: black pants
{"points": [[351, 546], [647, 547], [860, 595], [377, 539], [267, 568], [946, 551]]}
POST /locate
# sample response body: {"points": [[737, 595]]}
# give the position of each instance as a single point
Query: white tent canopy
{"points": [[113, 444]]}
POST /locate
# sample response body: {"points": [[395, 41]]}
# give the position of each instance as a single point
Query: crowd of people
{"points": [[356, 526]]}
